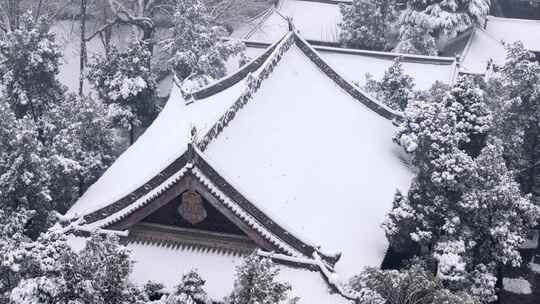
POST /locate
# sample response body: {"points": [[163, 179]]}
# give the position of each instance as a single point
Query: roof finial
{"points": [[290, 23], [193, 133]]}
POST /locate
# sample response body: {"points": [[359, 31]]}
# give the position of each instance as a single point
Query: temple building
{"points": [[286, 156]]}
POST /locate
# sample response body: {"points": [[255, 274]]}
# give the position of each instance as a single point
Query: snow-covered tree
{"points": [[51, 272], [82, 145], [366, 23], [24, 168], [125, 81], [29, 61], [256, 282], [52, 146], [408, 286], [464, 213], [417, 40], [189, 291], [445, 17], [195, 48], [515, 95], [394, 89], [12, 223], [46, 169], [154, 290]]}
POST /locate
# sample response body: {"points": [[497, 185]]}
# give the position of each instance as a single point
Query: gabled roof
{"points": [[316, 21], [315, 159], [510, 30], [287, 144], [476, 49]]}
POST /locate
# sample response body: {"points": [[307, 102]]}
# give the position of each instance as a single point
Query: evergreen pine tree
{"points": [[189, 291], [444, 17], [515, 95], [464, 214], [29, 63], [195, 50], [394, 89], [417, 40], [256, 282], [366, 24], [408, 286], [126, 83], [51, 272]]}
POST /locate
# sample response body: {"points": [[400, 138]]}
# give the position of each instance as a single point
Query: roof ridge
{"points": [[468, 45], [263, 17], [353, 90], [229, 80], [253, 83], [407, 57], [342, 50]]}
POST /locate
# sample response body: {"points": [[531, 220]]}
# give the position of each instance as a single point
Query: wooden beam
{"points": [[161, 200], [189, 182]]}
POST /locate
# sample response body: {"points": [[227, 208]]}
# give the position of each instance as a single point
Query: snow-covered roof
{"points": [[167, 264], [325, 164], [481, 48], [476, 49], [355, 64], [164, 141], [288, 145], [510, 30], [316, 20]]}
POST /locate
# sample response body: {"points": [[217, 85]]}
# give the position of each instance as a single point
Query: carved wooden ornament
{"points": [[191, 209]]}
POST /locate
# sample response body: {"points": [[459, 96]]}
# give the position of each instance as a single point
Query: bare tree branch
{"points": [[101, 29]]}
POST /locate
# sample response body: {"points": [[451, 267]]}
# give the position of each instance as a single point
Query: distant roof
{"points": [[510, 30], [355, 64], [315, 20], [477, 49], [290, 146]]}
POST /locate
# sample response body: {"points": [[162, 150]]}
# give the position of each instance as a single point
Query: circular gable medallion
{"points": [[191, 209]]}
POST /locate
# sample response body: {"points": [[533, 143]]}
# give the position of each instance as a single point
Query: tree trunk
{"points": [[106, 35], [83, 47], [131, 133]]}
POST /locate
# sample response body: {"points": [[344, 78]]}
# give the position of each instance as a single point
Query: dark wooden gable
{"points": [[211, 219], [160, 220]]}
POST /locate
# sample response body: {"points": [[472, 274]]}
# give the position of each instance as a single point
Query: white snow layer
{"points": [[517, 285], [166, 264], [314, 20], [164, 141], [317, 159], [510, 30], [482, 48], [534, 267], [355, 66]]}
